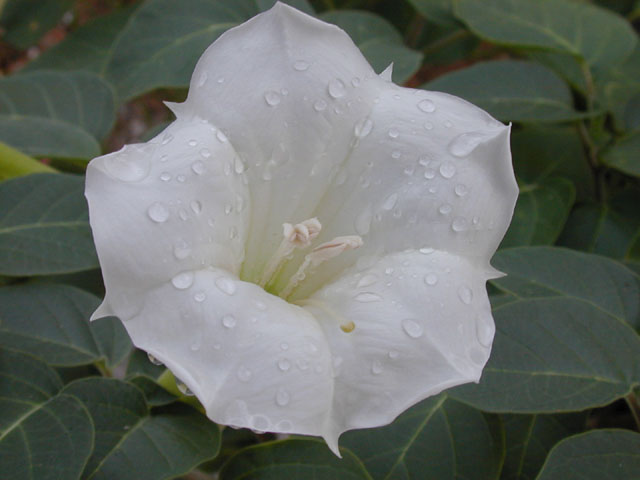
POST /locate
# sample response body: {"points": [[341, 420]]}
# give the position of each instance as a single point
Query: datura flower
{"points": [[307, 245]]}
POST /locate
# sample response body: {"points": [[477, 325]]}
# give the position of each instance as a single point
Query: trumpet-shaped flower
{"points": [[307, 245]]}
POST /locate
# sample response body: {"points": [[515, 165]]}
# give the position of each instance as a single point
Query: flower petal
{"points": [[292, 122], [252, 359], [162, 208], [434, 171], [421, 323]]}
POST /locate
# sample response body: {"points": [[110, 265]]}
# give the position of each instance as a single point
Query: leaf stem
{"points": [[14, 163]]}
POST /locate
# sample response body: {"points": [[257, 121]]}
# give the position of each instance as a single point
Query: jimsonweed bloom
{"points": [[307, 245]]}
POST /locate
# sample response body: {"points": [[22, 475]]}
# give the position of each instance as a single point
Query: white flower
{"points": [[372, 295]]}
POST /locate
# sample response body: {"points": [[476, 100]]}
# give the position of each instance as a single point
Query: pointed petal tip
{"points": [[102, 311], [387, 73], [493, 273], [332, 443]]}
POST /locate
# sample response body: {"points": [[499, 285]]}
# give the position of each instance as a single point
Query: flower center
{"points": [[301, 236]]}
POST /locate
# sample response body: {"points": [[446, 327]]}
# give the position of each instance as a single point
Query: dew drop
{"points": [[154, 360], [125, 168], [284, 364], [226, 285], [165, 176], [200, 297], [431, 279], [272, 98], [367, 297], [426, 106], [376, 367], [182, 213], [363, 128], [393, 354], [412, 328], [202, 80], [355, 81], [465, 294], [196, 206], [390, 202], [459, 224], [445, 209], [337, 88], [158, 212], [198, 167], [426, 250], [244, 374], [181, 249], [282, 398], [319, 105], [464, 144], [229, 321], [362, 223], [167, 138], [183, 280], [461, 190], [221, 136], [220, 80], [193, 142], [485, 329], [183, 388], [396, 155], [447, 170], [428, 126], [300, 65], [429, 173], [448, 124], [205, 153], [181, 178], [393, 132], [284, 346], [367, 280]]}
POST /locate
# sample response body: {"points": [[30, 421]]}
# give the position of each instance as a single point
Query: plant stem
{"points": [[14, 163]]}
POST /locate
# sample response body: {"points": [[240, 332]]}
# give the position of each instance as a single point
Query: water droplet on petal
{"points": [[461, 190], [447, 170], [229, 321], [396, 155], [448, 124], [125, 168], [428, 126], [165, 176], [198, 167], [426, 250], [154, 360], [355, 81], [193, 142], [167, 138], [205, 153], [300, 65], [464, 144], [181, 249], [196, 206], [362, 223], [337, 88], [282, 398], [183, 280], [412, 328], [200, 297], [221, 136], [367, 297], [367, 280], [202, 80], [226, 285], [393, 132], [445, 209], [459, 224], [431, 279], [183, 388], [429, 173], [284, 364], [272, 98], [284, 346], [244, 374], [363, 128], [158, 212], [390, 202], [376, 367], [426, 106], [393, 354], [485, 329], [319, 105], [465, 294]]}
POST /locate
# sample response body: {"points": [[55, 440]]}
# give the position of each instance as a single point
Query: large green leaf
{"points": [[293, 459], [541, 212], [52, 323], [565, 342], [36, 108], [445, 438], [437, 11], [543, 152], [610, 228], [378, 40], [43, 436], [596, 455], [511, 90], [624, 155], [615, 86], [25, 21], [163, 39], [594, 34], [44, 226], [529, 439]]}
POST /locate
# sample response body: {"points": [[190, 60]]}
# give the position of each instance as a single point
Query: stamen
{"points": [[295, 236], [319, 255]]}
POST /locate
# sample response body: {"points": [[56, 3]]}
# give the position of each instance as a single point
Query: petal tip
{"points": [[387, 74]]}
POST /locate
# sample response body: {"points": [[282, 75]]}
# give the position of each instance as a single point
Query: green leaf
{"points": [[139, 364], [564, 65], [42, 436], [437, 11], [446, 437], [623, 155], [615, 86], [112, 339], [378, 40], [541, 212], [565, 343], [293, 459], [156, 395], [597, 455], [50, 322], [511, 90], [598, 36], [543, 152], [163, 39], [86, 48], [610, 228], [25, 21], [44, 226], [529, 439]]}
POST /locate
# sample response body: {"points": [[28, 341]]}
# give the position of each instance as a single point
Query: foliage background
{"points": [[558, 399]]}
